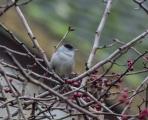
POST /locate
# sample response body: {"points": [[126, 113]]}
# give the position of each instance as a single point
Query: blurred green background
{"points": [[49, 20]]}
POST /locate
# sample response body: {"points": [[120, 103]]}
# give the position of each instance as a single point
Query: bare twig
{"points": [[61, 41], [31, 35], [7, 7], [44, 86], [122, 43], [116, 54], [141, 5], [135, 92], [30, 54], [23, 3], [7, 107], [98, 34], [146, 97]]}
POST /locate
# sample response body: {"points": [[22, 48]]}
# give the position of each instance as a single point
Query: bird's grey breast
{"points": [[62, 63]]}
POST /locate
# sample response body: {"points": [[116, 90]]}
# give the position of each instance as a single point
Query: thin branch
{"points": [[98, 34], [31, 35], [141, 5], [122, 43], [30, 72], [7, 107], [44, 86], [30, 54], [7, 7], [116, 54], [135, 92], [20, 107], [146, 97], [61, 41], [13, 51], [23, 3]]}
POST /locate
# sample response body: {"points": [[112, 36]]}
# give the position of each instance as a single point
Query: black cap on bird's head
{"points": [[69, 47]]}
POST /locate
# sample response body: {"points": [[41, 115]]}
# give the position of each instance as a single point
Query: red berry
{"points": [[130, 65], [143, 114], [87, 99], [69, 81], [76, 84], [123, 98], [124, 118], [125, 95], [84, 95], [7, 90], [10, 80], [77, 94], [125, 90], [98, 107]]}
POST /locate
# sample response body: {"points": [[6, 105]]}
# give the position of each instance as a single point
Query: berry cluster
{"points": [[7, 90], [130, 65], [123, 98], [73, 83], [143, 115], [124, 117]]}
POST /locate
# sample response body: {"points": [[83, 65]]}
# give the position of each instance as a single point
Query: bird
{"points": [[63, 60]]}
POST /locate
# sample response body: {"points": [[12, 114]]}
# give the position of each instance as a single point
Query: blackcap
{"points": [[63, 60]]}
